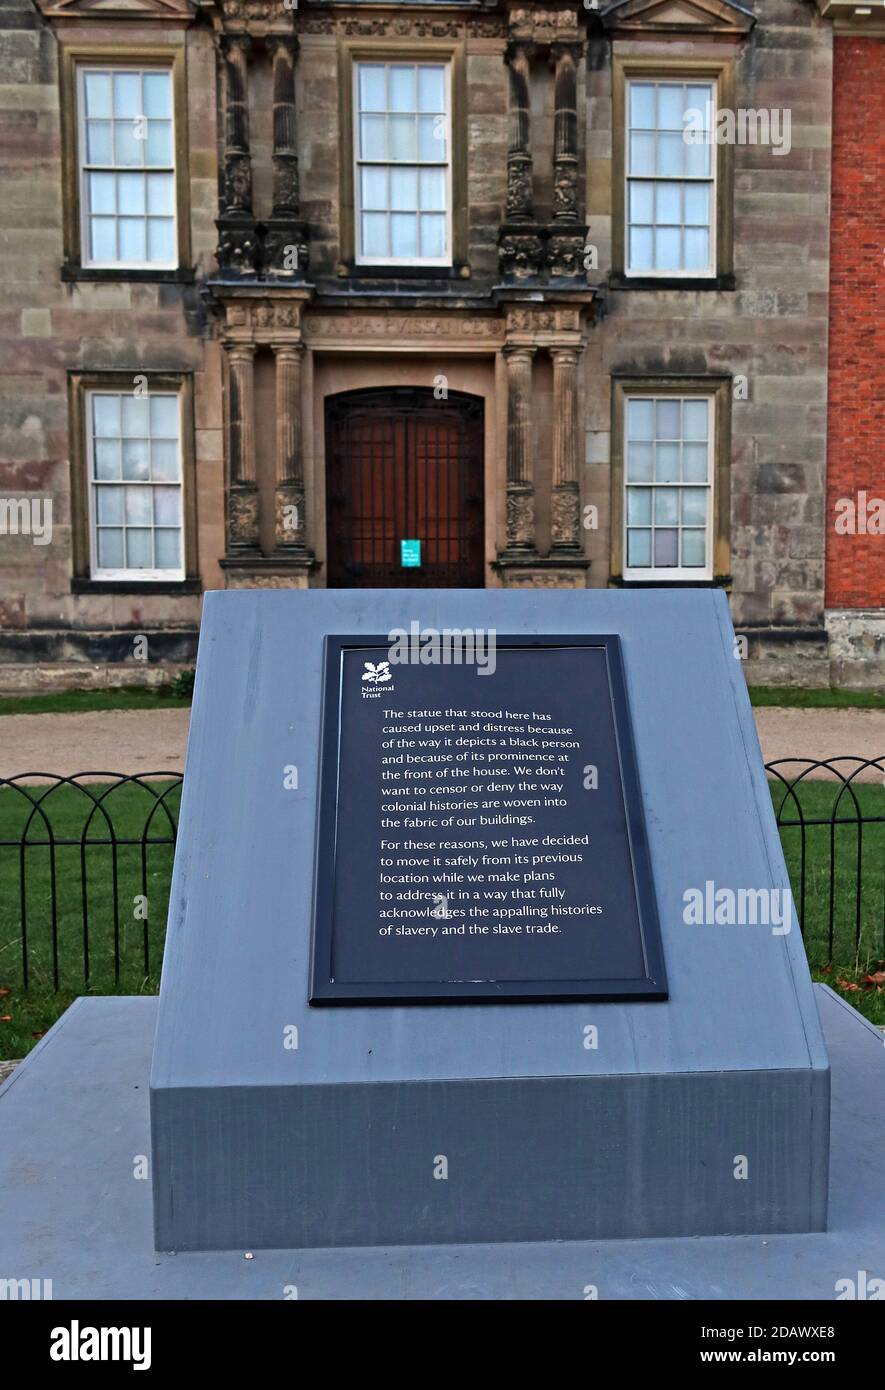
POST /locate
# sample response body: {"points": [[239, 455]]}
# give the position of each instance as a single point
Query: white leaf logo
{"points": [[381, 672]]}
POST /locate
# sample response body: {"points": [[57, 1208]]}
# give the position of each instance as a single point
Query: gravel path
{"points": [[124, 741], [823, 733], [135, 741]]}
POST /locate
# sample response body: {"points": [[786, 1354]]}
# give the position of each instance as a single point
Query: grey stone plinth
{"points": [[256, 1144]]}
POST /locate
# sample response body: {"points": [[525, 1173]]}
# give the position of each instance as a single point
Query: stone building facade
{"points": [[432, 294]]}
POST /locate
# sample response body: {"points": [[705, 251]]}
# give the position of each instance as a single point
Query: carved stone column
{"points": [[520, 471], [283, 48], [519, 154], [520, 246], [565, 133], [565, 509], [289, 530], [286, 242], [242, 494], [566, 244], [237, 244]]}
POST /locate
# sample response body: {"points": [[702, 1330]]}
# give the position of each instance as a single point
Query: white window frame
{"points": [[84, 170], [358, 162], [148, 576], [672, 79], [683, 573]]}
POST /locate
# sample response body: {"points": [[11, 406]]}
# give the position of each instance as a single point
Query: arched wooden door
{"points": [[402, 466]]}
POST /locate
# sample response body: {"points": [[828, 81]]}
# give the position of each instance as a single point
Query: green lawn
{"points": [[848, 944], [77, 701], [827, 698], [26, 1014]]}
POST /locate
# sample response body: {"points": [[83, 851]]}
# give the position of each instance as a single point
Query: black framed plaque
{"points": [[480, 830]]}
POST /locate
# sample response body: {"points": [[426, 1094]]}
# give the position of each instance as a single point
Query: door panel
{"points": [[403, 466]]}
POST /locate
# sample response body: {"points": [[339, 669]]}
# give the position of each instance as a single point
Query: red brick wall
{"points": [[855, 575]]}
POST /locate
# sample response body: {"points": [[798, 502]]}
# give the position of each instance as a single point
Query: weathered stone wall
{"points": [[772, 329], [51, 327]]}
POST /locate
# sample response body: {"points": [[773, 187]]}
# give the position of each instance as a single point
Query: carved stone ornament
{"points": [[285, 183], [254, 9], [317, 26], [289, 516], [487, 28], [242, 517], [525, 320], [565, 516], [262, 316], [286, 250], [237, 249], [519, 186], [544, 27], [237, 183], [542, 579], [565, 256], [402, 26], [287, 316], [520, 518], [520, 255], [565, 191]]}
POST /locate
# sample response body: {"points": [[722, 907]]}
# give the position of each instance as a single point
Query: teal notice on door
{"points": [[410, 554]]}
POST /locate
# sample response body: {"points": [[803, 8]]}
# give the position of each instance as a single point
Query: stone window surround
{"points": [[661, 67], [120, 55], [80, 383], [719, 387], [453, 53]]}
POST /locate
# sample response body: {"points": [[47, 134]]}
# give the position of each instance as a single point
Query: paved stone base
{"points": [[795, 657], [74, 1119], [857, 647]]}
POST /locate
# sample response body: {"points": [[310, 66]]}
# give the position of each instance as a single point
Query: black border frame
{"points": [[323, 988]]}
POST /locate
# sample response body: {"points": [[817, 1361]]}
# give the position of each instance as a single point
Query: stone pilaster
{"points": [[520, 244], [283, 48], [565, 248], [565, 508], [565, 132], [286, 238], [289, 520], [235, 49], [519, 154], [242, 494], [237, 243], [520, 470]]}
